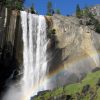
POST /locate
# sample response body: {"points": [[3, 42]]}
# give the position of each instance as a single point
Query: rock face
{"points": [[76, 52], [10, 46]]}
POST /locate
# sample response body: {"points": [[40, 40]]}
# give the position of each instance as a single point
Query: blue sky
{"points": [[65, 6]]}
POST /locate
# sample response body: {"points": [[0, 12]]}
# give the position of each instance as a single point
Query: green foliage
{"points": [[18, 5], [57, 91], [32, 9], [86, 13], [47, 96], [8, 3], [50, 10], [49, 14], [97, 27], [51, 32], [57, 11], [75, 90], [78, 11], [49, 6], [83, 13], [14, 4], [94, 22]]}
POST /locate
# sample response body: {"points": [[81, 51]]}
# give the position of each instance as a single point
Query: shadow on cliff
{"points": [[54, 54], [8, 66]]}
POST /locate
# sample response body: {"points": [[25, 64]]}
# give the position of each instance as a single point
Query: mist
{"points": [[13, 92]]}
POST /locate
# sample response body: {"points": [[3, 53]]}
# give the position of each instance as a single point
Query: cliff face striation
{"points": [[10, 46], [73, 49]]}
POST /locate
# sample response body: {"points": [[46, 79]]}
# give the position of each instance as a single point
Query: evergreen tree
{"points": [[78, 11], [58, 11], [18, 5], [49, 8], [32, 9], [87, 13], [14, 4]]}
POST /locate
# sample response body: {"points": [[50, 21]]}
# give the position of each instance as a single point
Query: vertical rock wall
{"points": [[11, 46]]}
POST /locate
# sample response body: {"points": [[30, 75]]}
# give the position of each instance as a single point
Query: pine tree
{"points": [[78, 11], [32, 9], [14, 4], [58, 11], [49, 8]]}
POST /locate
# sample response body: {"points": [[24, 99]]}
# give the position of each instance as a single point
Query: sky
{"points": [[67, 7]]}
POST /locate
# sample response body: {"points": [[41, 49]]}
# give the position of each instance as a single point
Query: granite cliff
{"points": [[76, 50], [10, 46]]}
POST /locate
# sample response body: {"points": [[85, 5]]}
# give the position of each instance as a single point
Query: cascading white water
{"points": [[5, 21], [34, 53]]}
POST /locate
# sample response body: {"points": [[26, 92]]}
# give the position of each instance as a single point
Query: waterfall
{"points": [[34, 53], [5, 21]]}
